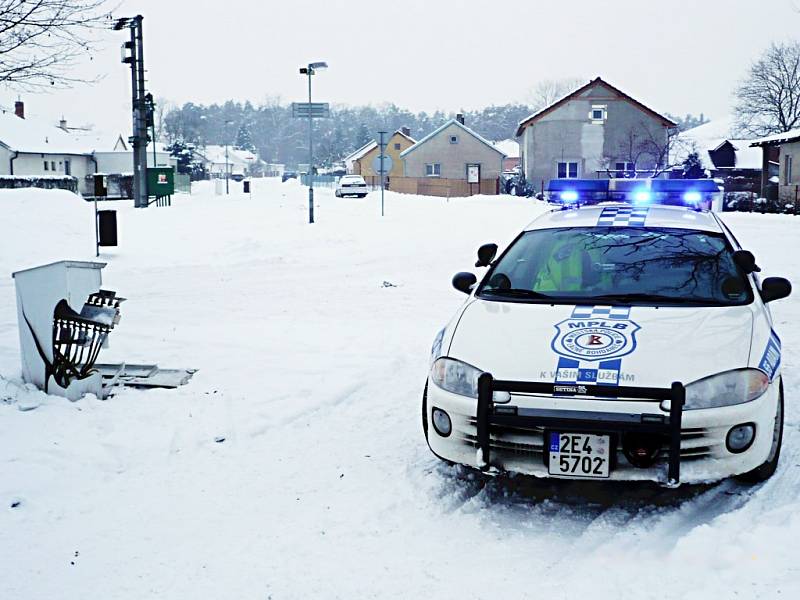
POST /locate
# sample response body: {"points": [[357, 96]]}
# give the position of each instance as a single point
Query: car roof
{"points": [[622, 214]]}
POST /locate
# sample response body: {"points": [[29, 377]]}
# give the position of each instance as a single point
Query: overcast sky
{"points": [[679, 56]]}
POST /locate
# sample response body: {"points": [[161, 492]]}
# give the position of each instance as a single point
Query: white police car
{"points": [[626, 337]]}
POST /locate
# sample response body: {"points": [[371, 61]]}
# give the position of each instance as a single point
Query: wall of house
{"points": [[789, 190], [122, 162], [33, 164], [365, 162], [453, 158], [5, 164], [569, 134]]}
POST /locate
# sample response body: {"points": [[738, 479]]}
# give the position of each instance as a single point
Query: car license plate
{"points": [[578, 454]]}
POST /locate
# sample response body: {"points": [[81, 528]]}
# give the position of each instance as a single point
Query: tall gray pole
{"points": [[140, 132], [383, 171], [227, 169], [310, 152]]}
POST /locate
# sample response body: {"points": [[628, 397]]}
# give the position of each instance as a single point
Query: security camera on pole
{"points": [[318, 110]]}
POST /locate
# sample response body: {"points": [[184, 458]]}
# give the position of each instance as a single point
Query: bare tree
{"points": [[768, 100], [645, 144], [547, 91], [162, 108], [40, 40]]}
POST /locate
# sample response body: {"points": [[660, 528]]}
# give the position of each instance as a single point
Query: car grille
{"points": [[518, 442]]}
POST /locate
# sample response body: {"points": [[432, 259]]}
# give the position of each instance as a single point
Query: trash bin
{"points": [[246, 184], [107, 227], [219, 187], [64, 319]]}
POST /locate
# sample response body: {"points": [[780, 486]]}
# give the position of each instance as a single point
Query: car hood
{"points": [[637, 346]]}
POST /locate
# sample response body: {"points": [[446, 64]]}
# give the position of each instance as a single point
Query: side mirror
{"points": [[464, 281], [775, 288], [745, 260], [486, 254]]}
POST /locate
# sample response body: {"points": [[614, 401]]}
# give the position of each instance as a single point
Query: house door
{"points": [[67, 167]]}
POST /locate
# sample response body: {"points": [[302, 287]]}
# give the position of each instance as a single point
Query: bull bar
{"points": [[491, 414]]}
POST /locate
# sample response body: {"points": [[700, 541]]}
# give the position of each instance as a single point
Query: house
{"points": [[595, 131], [360, 161], [787, 145], [451, 161], [236, 162], [722, 154], [34, 147], [511, 149]]}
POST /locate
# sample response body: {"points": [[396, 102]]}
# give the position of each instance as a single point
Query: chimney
{"points": [[405, 131], [19, 109], [460, 118], [63, 124]]}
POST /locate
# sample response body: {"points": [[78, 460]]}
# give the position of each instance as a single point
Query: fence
{"points": [[183, 183], [55, 182], [446, 188], [320, 180]]}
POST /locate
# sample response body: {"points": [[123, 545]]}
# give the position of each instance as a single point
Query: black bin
{"points": [[246, 186], [107, 227]]}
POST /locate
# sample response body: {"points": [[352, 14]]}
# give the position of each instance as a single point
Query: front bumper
{"points": [[510, 436]]}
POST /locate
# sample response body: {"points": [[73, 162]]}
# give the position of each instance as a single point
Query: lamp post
{"points": [[227, 165], [310, 70]]}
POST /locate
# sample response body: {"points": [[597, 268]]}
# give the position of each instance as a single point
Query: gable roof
{"points": [[710, 137], [371, 145], [37, 136], [447, 124], [593, 83]]}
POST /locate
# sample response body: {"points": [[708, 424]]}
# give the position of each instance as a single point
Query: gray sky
{"points": [[684, 56]]}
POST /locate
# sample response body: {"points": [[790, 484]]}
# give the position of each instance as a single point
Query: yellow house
{"points": [[362, 158]]}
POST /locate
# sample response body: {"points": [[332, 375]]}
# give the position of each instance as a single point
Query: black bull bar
{"points": [[491, 413]]}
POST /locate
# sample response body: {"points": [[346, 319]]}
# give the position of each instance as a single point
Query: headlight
{"points": [[455, 376], [726, 389]]}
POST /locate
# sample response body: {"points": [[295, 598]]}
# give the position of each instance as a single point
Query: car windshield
{"points": [[618, 265]]}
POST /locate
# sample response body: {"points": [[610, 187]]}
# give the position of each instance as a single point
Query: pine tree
{"points": [[362, 136], [244, 140], [692, 167]]}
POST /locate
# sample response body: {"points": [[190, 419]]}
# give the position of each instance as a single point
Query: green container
{"points": [[160, 181]]}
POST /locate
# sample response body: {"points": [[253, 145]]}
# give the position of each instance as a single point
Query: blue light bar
{"points": [[691, 193], [569, 196], [641, 197]]}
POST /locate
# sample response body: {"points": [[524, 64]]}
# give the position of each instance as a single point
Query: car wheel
{"points": [[337, 194], [766, 470]]}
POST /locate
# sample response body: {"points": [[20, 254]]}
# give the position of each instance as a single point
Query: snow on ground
{"points": [[312, 344]]}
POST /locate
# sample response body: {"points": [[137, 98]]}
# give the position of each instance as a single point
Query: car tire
{"points": [[337, 194], [767, 470]]}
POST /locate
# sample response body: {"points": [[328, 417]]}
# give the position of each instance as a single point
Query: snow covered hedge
{"points": [[48, 182]]}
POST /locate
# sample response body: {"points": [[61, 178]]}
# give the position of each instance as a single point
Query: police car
{"points": [[624, 335]]}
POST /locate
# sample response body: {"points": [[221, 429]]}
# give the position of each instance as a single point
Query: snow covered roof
{"points": [[594, 82], [445, 126], [361, 151], [508, 147], [38, 136], [216, 154], [778, 138], [709, 137]]}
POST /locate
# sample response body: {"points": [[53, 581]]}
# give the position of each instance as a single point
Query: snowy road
{"points": [[312, 344]]}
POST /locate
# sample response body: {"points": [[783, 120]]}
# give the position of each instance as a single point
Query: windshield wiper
{"points": [[516, 293]]}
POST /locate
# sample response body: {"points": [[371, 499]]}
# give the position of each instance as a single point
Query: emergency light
{"points": [[691, 193]]}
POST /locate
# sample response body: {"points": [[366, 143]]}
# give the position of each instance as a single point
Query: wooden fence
{"points": [[445, 188]]}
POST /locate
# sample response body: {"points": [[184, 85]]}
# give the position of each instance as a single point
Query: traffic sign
{"points": [[387, 164], [315, 110]]}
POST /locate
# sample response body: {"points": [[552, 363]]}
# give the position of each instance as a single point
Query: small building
{"points": [[595, 131], [237, 163], [511, 149], [451, 161], [360, 161], [787, 145]]}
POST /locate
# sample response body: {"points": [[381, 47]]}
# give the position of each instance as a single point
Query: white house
{"points": [[236, 162]]}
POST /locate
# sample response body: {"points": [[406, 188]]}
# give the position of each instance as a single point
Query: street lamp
{"points": [[310, 70], [227, 167]]}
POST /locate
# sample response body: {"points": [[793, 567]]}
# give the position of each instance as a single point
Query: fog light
{"points": [[740, 437], [441, 422]]}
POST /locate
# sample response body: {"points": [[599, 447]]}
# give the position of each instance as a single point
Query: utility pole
{"points": [[383, 170], [139, 104], [227, 169]]}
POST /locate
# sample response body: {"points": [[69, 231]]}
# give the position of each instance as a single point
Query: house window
{"points": [[52, 165], [623, 167], [598, 114], [46, 166], [787, 170], [433, 169], [567, 170], [67, 168], [397, 146], [453, 139]]}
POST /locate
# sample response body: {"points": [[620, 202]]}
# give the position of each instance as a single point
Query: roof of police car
{"points": [[609, 214]]}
